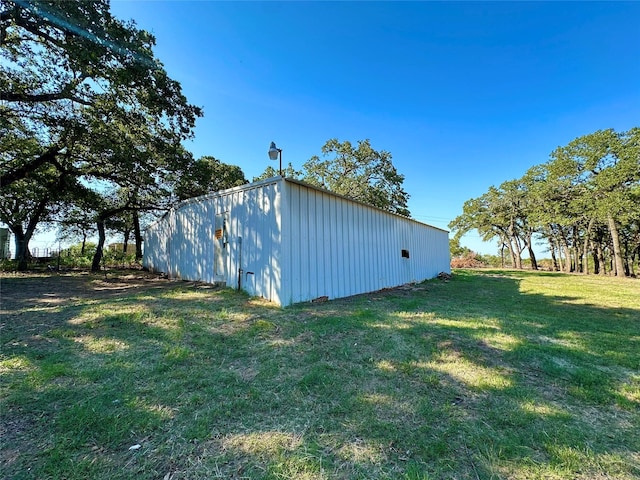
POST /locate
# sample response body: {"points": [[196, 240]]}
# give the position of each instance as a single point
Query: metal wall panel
{"points": [[156, 253], [191, 242], [336, 247], [255, 217], [183, 243]]}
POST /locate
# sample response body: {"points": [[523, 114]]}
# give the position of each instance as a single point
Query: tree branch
{"points": [[49, 156], [30, 26], [43, 97]]}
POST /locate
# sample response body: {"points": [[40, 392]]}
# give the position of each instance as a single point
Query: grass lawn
{"points": [[494, 374]]}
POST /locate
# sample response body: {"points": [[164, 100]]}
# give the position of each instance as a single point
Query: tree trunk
{"points": [[626, 257], [138, 235], [554, 260], [532, 256], [512, 252], [596, 259], [102, 218], [23, 237], [577, 250], [97, 257], [627, 270], [601, 261], [552, 249], [125, 244], [632, 261], [567, 252], [23, 255], [529, 246], [560, 262], [514, 245], [518, 249], [615, 239], [585, 246]]}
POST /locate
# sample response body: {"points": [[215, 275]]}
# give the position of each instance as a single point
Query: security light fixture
{"points": [[275, 153]]}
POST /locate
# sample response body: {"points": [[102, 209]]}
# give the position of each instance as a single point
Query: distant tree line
{"points": [[584, 203]]}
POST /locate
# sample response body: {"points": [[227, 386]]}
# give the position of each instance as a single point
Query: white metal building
{"points": [[288, 241]]}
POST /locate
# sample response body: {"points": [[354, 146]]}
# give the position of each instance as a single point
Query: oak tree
{"points": [[207, 175], [84, 98], [359, 172]]}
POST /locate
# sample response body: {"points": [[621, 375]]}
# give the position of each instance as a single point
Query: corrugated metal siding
{"points": [[255, 216], [298, 243], [155, 251], [182, 242], [191, 242], [336, 247]]}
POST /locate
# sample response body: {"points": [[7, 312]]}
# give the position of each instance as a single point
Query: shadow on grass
{"points": [[466, 379]]}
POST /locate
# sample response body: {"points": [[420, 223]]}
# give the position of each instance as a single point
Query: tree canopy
{"points": [[86, 109], [271, 172], [66, 63], [583, 201], [207, 175], [361, 173]]}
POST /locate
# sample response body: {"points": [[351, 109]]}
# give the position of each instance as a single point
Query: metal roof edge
{"points": [[219, 193], [329, 192], [272, 180]]}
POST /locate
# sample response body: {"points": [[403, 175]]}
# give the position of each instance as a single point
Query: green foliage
{"points": [[207, 175], [24, 204], [457, 250], [360, 173], [583, 201], [601, 172], [78, 255], [116, 258], [500, 213], [270, 172], [86, 103], [66, 63], [77, 223], [81, 257]]}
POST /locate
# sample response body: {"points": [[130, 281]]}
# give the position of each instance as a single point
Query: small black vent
{"points": [[405, 253]]}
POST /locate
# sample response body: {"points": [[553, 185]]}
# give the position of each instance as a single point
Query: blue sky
{"points": [[464, 95]]}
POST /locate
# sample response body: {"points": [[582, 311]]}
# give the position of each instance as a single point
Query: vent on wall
{"points": [[405, 253]]}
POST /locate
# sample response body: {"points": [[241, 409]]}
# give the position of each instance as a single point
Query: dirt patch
{"points": [[25, 291], [13, 430], [31, 304]]}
